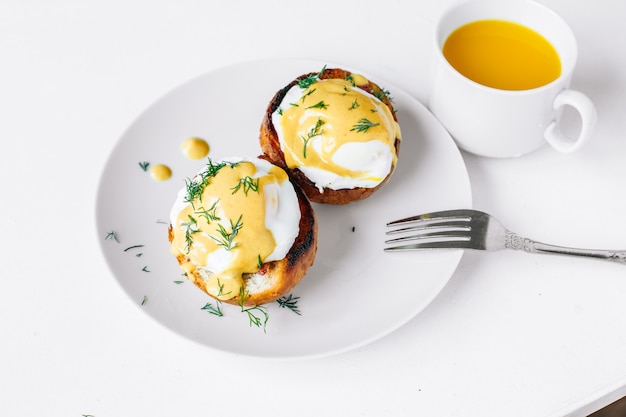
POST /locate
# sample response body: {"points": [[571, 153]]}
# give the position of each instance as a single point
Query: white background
{"points": [[512, 334]]}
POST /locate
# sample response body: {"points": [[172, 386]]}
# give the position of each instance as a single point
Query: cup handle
{"points": [[585, 107]]}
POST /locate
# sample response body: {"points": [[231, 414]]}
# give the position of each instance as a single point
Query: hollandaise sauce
{"points": [[195, 148], [339, 135], [225, 222], [161, 172]]}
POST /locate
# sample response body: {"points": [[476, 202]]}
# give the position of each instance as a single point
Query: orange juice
{"points": [[503, 55]]}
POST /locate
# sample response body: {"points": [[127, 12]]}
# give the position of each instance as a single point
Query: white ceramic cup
{"points": [[505, 123]]}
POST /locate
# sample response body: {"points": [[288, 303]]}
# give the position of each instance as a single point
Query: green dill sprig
{"points": [[216, 311], [307, 81], [248, 184], [319, 105], [111, 236], [195, 187], [226, 238], [194, 190], [191, 228], [363, 125], [381, 94], [213, 168], [308, 93], [256, 320], [315, 131], [290, 302], [354, 105], [209, 214], [144, 165]]}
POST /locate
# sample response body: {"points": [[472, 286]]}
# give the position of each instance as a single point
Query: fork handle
{"points": [[514, 241]]}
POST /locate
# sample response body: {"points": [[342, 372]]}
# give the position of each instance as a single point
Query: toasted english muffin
{"points": [[224, 245], [335, 133]]}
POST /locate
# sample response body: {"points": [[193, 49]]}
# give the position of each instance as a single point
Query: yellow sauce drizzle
{"points": [[228, 223], [329, 114], [160, 172], [195, 148]]}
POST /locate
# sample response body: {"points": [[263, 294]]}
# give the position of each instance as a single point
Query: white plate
{"points": [[354, 294]]}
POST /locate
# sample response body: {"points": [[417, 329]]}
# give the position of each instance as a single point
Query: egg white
{"points": [[282, 217]]}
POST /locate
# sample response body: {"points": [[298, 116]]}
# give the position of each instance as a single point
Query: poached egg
{"points": [[233, 216], [339, 135]]}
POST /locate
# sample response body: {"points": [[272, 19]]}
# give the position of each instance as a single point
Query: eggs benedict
{"points": [[336, 133], [242, 232]]}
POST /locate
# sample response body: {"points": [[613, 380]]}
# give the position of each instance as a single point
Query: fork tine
{"points": [[451, 224], [450, 235], [454, 244], [437, 215], [448, 229]]}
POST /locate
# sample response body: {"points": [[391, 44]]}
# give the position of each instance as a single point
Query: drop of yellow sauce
{"points": [[161, 172], [195, 148]]}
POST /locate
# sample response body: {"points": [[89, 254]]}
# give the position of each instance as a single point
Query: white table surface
{"points": [[511, 334]]}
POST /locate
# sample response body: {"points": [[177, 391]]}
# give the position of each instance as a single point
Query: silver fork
{"points": [[473, 229]]}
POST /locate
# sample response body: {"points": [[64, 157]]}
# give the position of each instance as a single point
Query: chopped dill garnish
{"points": [[210, 214], [308, 93], [191, 228], [363, 125], [145, 300], [289, 302], [133, 247], [315, 131], [319, 105], [144, 165], [178, 282], [350, 79], [195, 187], [381, 94], [257, 320], [216, 311], [111, 236], [227, 238], [145, 269], [194, 190], [354, 105], [248, 183], [307, 81]]}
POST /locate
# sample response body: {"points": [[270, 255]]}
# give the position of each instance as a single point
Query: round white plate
{"points": [[355, 292]]}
